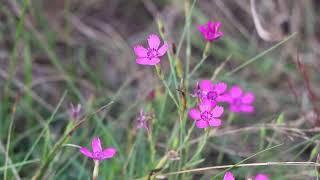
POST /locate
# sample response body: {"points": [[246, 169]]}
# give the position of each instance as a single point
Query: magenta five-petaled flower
{"points": [[97, 152], [238, 100], [210, 31], [261, 177], [206, 90], [206, 115], [151, 55], [229, 176]]}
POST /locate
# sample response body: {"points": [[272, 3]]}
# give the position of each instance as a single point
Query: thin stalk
{"points": [[312, 164], [8, 145], [204, 57], [261, 54], [95, 173], [224, 142]]}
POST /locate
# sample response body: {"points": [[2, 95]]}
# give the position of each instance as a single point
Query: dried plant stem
{"points": [[312, 164]]}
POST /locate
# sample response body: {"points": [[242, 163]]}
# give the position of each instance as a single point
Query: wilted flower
{"points": [[206, 90], [173, 155], [151, 95], [206, 115], [210, 31], [97, 152], [75, 111], [143, 120], [228, 176], [238, 100], [261, 177], [152, 54]]}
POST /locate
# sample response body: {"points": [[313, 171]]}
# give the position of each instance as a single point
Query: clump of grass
{"points": [[186, 132]]}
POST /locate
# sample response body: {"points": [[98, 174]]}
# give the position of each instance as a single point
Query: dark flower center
{"points": [[206, 115], [237, 102], [212, 95], [210, 32], [199, 92], [97, 155], [152, 53]]}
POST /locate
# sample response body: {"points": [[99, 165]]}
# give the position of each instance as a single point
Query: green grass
{"points": [[43, 72]]}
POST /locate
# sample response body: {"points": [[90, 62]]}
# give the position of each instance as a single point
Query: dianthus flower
{"points": [[238, 100], [261, 177], [97, 152], [151, 55], [75, 111], [210, 31], [228, 176], [206, 90], [206, 116]]}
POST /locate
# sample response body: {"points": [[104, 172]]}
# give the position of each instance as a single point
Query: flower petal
{"points": [[220, 87], [261, 177], [206, 85], [86, 152], [140, 51], [247, 108], [215, 122], [153, 41], [201, 124], [235, 91], [218, 35], [108, 153], [234, 108], [228, 176], [96, 145], [146, 61], [202, 29], [163, 49], [78, 109], [210, 25], [248, 98], [213, 103], [224, 98], [217, 26], [194, 113], [217, 111], [205, 105]]}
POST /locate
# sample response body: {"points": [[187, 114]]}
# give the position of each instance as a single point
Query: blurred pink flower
{"points": [[210, 31], [206, 115], [142, 121], [228, 176], [261, 177], [97, 152], [75, 111], [151, 55], [238, 100], [206, 90]]}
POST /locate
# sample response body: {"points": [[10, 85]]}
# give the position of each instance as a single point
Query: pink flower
{"points": [[75, 111], [97, 152], [210, 31], [206, 90], [142, 121], [206, 115], [261, 177], [238, 100], [228, 176], [152, 54]]}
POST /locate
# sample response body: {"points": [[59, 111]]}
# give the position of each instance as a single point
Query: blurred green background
{"points": [[81, 52]]}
